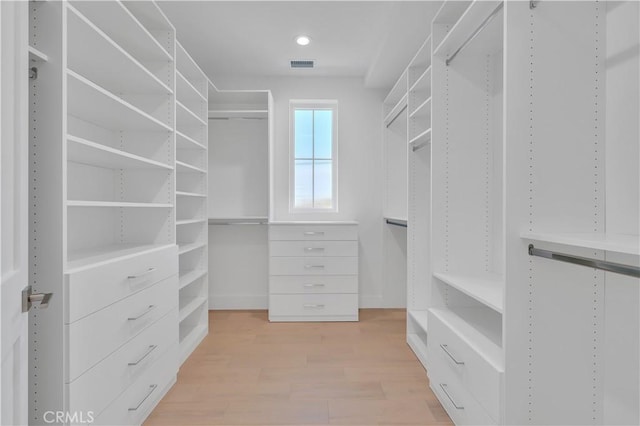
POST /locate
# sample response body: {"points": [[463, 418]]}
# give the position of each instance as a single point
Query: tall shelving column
{"points": [[419, 194], [192, 88]]}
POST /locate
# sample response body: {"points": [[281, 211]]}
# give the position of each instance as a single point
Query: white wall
{"points": [[360, 180]]}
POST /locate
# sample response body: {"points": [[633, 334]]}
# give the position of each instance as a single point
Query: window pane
{"points": [[322, 132], [304, 184], [303, 133], [323, 188]]}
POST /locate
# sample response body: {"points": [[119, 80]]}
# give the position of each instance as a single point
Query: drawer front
{"points": [[459, 404], [95, 288], [96, 336], [313, 248], [305, 284], [313, 265], [123, 367], [447, 349], [313, 232], [136, 403], [313, 305]]}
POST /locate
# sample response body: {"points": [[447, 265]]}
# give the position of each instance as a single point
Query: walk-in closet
{"points": [[320, 212]]}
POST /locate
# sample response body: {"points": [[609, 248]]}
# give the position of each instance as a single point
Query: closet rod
{"points": [[475, 33], [396, 116], [618, 268], [419, 147], [237, 223], [396, 223]]}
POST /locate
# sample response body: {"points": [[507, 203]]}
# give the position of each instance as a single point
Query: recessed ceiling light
{"points": [[303, 40]]}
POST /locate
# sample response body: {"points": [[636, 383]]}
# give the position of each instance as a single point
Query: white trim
{"points": [[313, 104]]}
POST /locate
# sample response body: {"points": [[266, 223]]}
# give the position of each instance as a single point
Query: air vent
{"points": [[302, 64]]}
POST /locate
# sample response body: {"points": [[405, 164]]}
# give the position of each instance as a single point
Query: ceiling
{"points": [[238, 41]]}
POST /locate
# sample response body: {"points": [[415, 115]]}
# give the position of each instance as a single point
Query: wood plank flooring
{"points": [[248, 371]]}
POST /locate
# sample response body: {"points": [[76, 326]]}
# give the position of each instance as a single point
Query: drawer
{"points": [[123, 367], [303, 284], [313, 232], [313, 248], [92, 289], [313, 265], [135, 404], [456, 400], [313, 307], [94, 337], [448, 350]]}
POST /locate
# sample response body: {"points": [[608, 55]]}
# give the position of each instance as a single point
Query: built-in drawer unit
{"points": [[94, 288], [313, 271], [465, 369], [116, 372], [94, 337]]}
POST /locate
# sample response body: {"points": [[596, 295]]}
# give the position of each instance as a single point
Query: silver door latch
{"points": [[29, 298]]}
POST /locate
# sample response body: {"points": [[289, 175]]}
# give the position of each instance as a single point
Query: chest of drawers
{"points": [[313, 271]]}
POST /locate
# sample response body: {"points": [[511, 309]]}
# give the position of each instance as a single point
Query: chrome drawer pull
{"points": [[314, 249], [149, 309], [313, 285], [443, 387], [313, 266], [142, 274], [146, 354], [151, 389], [314, 233], [444, 348], [309, 306]]}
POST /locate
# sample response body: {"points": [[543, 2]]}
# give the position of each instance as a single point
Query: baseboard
{"points": [[237, 302], [368, 302]]}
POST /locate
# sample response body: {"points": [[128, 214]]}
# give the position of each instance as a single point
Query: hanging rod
{"points": [[475, 33], [618, 268], [395, 117], [402, 224], [419, 147], [238, 221]]}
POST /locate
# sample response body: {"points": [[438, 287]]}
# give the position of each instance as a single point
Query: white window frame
{"points": [[313, 104]]}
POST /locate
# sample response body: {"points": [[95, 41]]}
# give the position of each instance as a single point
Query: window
{"points": [[313, 177]]}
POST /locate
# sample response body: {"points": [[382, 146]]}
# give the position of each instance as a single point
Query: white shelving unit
{"points": [[191, 199]]}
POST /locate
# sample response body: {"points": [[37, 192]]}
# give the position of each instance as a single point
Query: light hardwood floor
{"points": [[248, 371]]}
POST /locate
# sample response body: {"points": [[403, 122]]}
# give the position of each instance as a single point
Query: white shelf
{"points": [[186, 248], [487, 289], [37, 56], [190, 338], [481, 331], [186, 117], [188, 277], [185, 142], [422, 58], [186, 90], [238, 113], [124, 28], [82, 151], [93, 54], [423, 82], [188, 306], [83, 203], [189, 69], [398, 91], [183, 167], [488, 40], [618, 243], [422, 137], [190, 221], [423, 110], [90, 102], [83, 259], [420, 318], [247, 220], [189, 194], [396, 110]]}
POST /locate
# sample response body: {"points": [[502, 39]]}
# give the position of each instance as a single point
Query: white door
{"points": [[13, 211]]}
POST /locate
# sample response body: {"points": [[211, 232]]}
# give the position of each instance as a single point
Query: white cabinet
{"points": [[313, 272]]}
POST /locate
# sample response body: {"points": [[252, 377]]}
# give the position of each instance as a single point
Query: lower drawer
{"points": [[304, 284], [123, 367], [135, 404], [313, 265], [313, 307], [96, 336]]}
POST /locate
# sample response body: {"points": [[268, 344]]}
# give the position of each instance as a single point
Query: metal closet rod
{"points": [[396, 223], [419, 147], [618, 268], [396, 116], [475, 33]]}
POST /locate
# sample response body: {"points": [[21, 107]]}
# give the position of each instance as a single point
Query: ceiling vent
{"points": [[302, 64]]}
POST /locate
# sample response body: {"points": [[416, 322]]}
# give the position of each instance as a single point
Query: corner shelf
{"points": [[188, 306], [618, 243], [424, 137], [190, 276], [183, 167], [190, 222], [185, 142], [187, 248], [487, 288], [190, 194]]}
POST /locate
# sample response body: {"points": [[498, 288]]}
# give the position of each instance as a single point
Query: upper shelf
{"points": [[191, 71], [398, 91], [239, 113], [395, 112], [618, 243]]}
